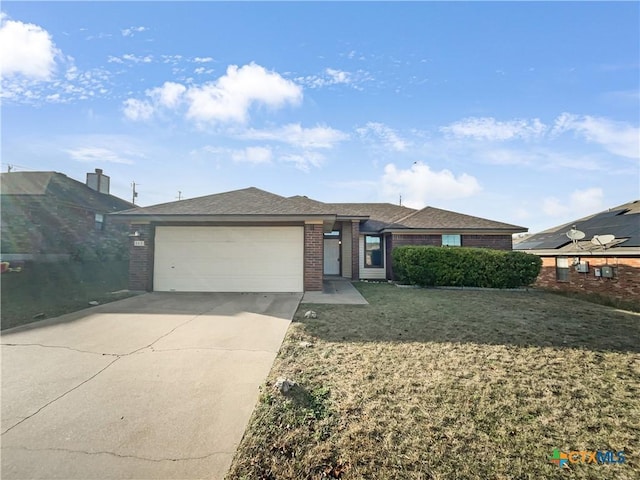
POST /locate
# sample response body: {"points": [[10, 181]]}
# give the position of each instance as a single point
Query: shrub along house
{"points": [[252, 240], [604, 261], [49, 216]]}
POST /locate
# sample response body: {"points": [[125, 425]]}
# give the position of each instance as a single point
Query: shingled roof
{"points": [[247, 201], [376, 216], [622, 221], [60, 187], [382, 212], [436, 218]]}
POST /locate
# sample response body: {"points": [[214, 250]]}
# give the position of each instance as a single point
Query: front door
{"points": [[331, 256]]}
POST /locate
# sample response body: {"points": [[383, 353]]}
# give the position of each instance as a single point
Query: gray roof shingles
{"points": [[60, 187], [253, 201], [247, 201], [622, 221], [430, 217]]}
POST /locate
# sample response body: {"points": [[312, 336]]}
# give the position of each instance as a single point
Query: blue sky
{"points": [[521, 112]]}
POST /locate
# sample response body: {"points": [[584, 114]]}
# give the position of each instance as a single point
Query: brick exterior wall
{"points": [[141, 258], [43, 225], [355, 250], [495, 242], [313, 257], [388, 260], [400, 240], [625, 285]]}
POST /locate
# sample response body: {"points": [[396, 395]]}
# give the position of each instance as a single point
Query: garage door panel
{"points": [[251, 259]]}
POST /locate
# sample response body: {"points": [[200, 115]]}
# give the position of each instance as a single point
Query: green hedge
{"points": [[464, 267]]}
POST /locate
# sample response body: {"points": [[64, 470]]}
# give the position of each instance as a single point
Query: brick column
{"points": [[141, 258], [355, 250], [313, 256]]}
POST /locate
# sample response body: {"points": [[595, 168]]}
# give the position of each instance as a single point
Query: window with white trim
{"points": [[451, 240], [99, 222], [373, 251], [562, 269]]}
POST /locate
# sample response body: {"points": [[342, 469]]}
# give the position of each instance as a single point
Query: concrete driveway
{"points": [[156, 386]]}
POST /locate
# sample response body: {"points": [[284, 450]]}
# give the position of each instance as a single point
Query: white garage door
{"points": [[229, 259]]}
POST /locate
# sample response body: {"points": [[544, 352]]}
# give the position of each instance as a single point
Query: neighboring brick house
{"points": [[252, 240], [49, 216], [604, 259]]}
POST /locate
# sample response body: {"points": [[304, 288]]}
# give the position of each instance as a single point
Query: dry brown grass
{"points": [[446, 384]]}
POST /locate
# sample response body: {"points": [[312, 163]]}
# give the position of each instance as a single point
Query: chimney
{"points": [[98, 181]]}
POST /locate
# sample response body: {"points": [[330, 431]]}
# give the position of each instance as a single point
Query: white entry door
{"points": [[331, 256]]}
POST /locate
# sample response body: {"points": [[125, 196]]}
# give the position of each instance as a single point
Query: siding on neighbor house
{"points": [[625, 284], [346, 251], [371, 273], [37, 226]]}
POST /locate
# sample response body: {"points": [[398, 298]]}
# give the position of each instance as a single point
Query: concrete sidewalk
{"points": [[336, 290], [159, 386]]}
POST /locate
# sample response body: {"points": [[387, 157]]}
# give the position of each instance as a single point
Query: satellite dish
{"points": [[575, 235], [603, 240]]}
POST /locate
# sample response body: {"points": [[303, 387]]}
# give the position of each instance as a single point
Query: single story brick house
{"points": [[604, 258], [48, 216], [251, 240]]}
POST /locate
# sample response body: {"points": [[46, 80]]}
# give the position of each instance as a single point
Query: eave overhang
{"points": [[461, 231]]}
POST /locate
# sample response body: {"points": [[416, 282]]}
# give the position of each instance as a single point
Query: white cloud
{"points": [[26, 49], [230, 97], [579, 204], [419, 184], [172, 59], [34, 71], [295, 134], [169, 95], [203, 59], [488, 128], [255, 155], [338, 76], [130, 57], [540, 158], [226, 100], [304, 161], [389, 138], [96, 155], [333, 76], [131, 31], [618, 138], [137, 109]]}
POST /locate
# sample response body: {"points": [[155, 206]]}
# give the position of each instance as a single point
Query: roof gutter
{"points": [[611, 252], [462, 231], [190, 219]]}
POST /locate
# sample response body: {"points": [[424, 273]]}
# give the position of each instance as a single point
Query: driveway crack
{"points": [[62, 395], [164, 335], [118, 455], [58, 346]]}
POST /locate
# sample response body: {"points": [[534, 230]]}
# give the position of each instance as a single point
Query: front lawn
{"points": [[47, 290], [440, 384]]}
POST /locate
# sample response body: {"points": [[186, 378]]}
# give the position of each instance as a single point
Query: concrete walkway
{"points": [[336, 290], [159, 386]]}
